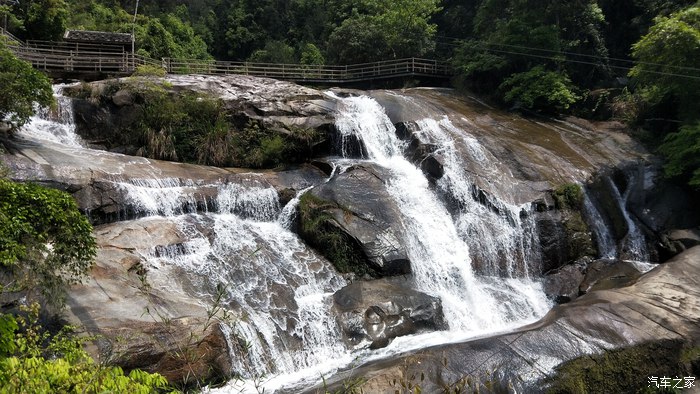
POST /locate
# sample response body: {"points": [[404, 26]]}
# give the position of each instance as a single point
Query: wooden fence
{"points": [[61, 58]]}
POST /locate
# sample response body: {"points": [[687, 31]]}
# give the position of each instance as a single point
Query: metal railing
{"points": [[114, 59], [304, 72]]}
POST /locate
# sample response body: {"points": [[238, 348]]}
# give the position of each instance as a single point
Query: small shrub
{"points": [[39, 362], [149, 70], [568, 196], [540, 90]]}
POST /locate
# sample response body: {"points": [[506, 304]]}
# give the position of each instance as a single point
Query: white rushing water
{"points": [[440, 256], [634, 244], [607, 247], [55, 125]]}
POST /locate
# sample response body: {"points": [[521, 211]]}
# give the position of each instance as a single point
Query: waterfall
{"points": [[633, 246], [54, 125], [441, 259], [280, 290], [502, 237], [607, 248]]}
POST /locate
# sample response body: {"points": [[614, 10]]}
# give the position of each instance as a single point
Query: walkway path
{"points": [[84, 61]]}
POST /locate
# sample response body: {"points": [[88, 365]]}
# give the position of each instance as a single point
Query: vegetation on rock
{"points": [[45, 242], [569, 198], [195, 127], [625, 370], [32, 360], [318, 229]]}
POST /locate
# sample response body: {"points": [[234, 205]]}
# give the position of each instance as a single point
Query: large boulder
{"points": [[377, 311], [110, 114], [355, 223]]}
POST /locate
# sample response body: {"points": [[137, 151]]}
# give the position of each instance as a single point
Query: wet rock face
{"points": [[186, 351], [564, 237], [379, 311], [139, 322], [585, 275], [563, 284], [356, 207], [422, 155]]}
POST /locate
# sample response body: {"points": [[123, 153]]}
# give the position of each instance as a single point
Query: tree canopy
{"points": [[20, 88]]}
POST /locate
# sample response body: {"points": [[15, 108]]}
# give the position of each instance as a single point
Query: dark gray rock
{"points": [[676, 241], [123, 97], [359, 206], [378, 311], [609, 274], [562, 285], [553, 243]]}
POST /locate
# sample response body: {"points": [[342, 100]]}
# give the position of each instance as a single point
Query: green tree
{"points": [[383, 29], [311, 55], [20, 88], [515, 41], [42, 19], [668, 58], [274, 52], [540, 90], [46, 244], [682, 151]]}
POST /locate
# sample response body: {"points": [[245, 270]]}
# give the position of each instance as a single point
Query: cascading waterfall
{"points": [[54, 125], [236, 238], [441, 261], [634, 244], [607, 248], [502, 237], [280, 292]]}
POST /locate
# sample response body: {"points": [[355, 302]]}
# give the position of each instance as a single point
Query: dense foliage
{"points": [[20, 88], [45, 242], [33, 360], [45, 245]]}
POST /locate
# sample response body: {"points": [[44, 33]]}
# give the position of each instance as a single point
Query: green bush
{"points": [[37, 362], [568, 196], [540, 90], [21, 88], [44, 239], [682, 152], [149, 70]]}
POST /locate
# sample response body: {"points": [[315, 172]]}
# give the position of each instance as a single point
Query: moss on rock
{"points": [[625, 370]]}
